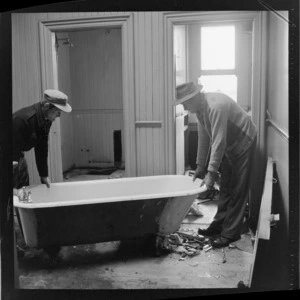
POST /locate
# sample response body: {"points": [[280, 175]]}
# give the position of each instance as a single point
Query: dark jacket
{"points": [[224, 127], [31, 130]]}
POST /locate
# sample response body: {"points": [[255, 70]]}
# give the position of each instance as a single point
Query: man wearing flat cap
{"points": [[226, 141], [31, 126]]}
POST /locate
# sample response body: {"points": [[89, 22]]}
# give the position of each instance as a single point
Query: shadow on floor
{"points": [[90, 254]]}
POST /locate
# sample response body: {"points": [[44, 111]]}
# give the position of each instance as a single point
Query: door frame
{"points": [[49, 80], [258, 90]]}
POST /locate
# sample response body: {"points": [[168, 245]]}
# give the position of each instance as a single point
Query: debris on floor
{"points": [[192, 236], [195, 210], [224, 255], [243, 244], [185, 244], [175, 239], [117, 174], [208, 195], [207, 247]]}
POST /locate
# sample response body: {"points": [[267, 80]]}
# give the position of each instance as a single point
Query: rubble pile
{"points": [[186, 244]]}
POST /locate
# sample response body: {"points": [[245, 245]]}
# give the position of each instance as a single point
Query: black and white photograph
{"points": [[148, 151]]}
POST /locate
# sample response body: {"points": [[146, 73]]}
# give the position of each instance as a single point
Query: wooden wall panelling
{"points": [[258, 105], [158, 142], [34, 75], [163, 140], [277, 109], [193, 52], [148, 39], [97, 73], [34, 46], [136, 87], [97, 84], [141, 145], [94, 140], [19, 62], [66, 120], [26, 71], [16, 92], [48, 57], [149, 88]]}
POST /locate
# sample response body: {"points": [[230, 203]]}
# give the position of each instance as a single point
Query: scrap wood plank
{"points": [[263, 227], [190, 236], [266, 204]]}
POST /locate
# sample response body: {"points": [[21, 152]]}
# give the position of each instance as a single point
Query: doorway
{"points": [[217, 56], [257, 108], [97, 94], [89, 67]]}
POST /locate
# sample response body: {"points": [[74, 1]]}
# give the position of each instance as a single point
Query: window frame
{"points": [[219, 72]]}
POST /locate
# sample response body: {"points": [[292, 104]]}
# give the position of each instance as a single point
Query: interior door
{"points": [[54, 157], [180, 77]]}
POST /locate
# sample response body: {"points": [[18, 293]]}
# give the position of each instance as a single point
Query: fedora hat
{"points": [[186, 91], [58, 99]]}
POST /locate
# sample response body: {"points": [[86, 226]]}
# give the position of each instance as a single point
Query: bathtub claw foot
{"points": [[53, 261], [20, 252], [160, 245], [53, 253]]}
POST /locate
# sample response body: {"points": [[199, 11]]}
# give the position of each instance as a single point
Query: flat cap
{"points": [[58, 99]]}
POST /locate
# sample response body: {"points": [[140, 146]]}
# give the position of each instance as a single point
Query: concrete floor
{"points": [[134, 265]]}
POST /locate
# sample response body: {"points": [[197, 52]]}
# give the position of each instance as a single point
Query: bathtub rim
{"points": [[33, 205]]}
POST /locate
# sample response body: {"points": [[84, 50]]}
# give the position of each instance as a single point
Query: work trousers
{"points": [[234, 193]]}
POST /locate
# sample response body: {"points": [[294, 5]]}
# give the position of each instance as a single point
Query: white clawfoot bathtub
{"points": [[84, 212]]}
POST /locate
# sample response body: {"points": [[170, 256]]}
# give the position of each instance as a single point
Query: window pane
{"points": [[217, 47], [226, 84]]}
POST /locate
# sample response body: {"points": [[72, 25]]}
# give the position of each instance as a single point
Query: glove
{"points": [[199, 173], [46, 181], [210, 179]]}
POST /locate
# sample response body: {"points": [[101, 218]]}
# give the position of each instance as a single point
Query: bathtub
{"points": [[85, 212]]}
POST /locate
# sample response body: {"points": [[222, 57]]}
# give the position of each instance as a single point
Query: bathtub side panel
{"points": [[173, 213], [94, 223], [29, 226]]}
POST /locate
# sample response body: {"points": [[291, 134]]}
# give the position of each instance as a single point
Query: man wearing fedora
{"points": [[31, 126], [226, 142]]}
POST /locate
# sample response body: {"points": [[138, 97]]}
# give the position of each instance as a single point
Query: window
{"points": [[217, 60], [226, 84]]}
